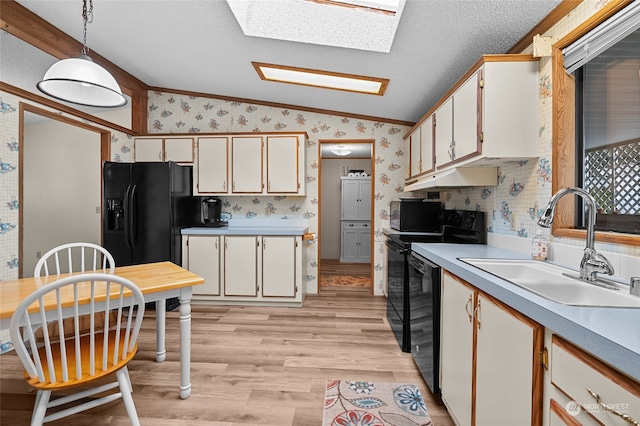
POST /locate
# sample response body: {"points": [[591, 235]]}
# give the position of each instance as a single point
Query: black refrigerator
{"points": [[145, 206]]}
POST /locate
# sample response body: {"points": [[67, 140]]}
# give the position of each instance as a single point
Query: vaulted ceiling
{"points": [[199, 46]]}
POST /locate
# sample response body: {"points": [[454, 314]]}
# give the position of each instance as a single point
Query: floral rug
{"points": [[353, 403], [344, 280]]}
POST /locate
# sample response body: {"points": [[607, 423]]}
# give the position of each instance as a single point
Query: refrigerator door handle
{"points": [[127, 216], [132, 218]]}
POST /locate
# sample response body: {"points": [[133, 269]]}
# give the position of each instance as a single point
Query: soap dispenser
{"points": [[539, 246]]}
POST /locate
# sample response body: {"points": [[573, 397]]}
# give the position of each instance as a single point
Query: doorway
{"points": [[60, 183], [345, 243]]}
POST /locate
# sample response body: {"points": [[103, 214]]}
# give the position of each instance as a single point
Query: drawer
{"points": [[358, 224], [575, 372]]}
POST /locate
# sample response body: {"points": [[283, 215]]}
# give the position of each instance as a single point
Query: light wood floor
{"points": [[335, 267], [250, 365]]}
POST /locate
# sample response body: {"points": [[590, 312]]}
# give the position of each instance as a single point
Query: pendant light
{"points": [[80, 80]]}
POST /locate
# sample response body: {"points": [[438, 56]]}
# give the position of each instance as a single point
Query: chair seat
{"points": [[85, 353]]}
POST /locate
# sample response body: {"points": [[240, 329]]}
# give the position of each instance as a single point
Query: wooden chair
{"points": [[79, 358], [75, 257]]}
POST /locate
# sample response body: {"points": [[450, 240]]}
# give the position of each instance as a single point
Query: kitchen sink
{"points": [[552, 282]]}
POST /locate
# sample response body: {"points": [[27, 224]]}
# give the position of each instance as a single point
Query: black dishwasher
{"points": [[424, 293]]}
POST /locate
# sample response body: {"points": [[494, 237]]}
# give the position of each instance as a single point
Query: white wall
{"points": [[62, 188], [330, 202]]}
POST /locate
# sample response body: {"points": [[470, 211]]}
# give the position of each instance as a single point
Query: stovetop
{"points": [[457, 226]]}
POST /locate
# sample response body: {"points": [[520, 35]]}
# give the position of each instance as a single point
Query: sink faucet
{"points": [[592, 262]]}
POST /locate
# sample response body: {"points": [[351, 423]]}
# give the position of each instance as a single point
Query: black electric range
{"points": [[413, 287]]}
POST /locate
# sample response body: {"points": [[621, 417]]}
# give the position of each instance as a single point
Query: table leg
{"points": [[185, 343], [161, 351]]}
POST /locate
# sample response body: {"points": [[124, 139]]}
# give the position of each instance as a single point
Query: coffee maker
{"points": [[210, 210]]}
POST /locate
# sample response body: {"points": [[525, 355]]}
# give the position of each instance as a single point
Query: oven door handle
{"points": [[395, 248]]}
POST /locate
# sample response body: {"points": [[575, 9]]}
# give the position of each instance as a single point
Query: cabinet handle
{"points": [[268, 185], [365, 225], [351, 224], [234, 186], [224, 185], [606, 407], [466, 307], [476, 313], [216, 244]]}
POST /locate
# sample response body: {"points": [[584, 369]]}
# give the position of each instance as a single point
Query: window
{"points": [[568, 139], [608, 134]]}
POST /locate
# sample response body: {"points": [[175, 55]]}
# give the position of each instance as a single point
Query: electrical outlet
{"points": [[514, 221]]}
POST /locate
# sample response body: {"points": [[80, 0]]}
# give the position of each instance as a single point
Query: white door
{"points": [[364, 244], [465, 118], [456, 348], [282, 164], [364, 200], [426, 145], [504, 373], [444, 133], [246, 165], [278, 267], [241, 266], [148, 149], [204, 260], [415, 141], [179, 150], [350, 194], [210, 174]]}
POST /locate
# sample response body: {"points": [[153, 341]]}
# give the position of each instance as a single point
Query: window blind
{"points": [[602, 37]]}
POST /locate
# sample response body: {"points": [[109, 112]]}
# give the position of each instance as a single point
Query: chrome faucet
{"points": [[592, 262]]}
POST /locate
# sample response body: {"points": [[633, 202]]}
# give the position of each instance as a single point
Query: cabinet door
{"points": [[415, 141], [278, 266], [350, 194], [364, 243], [148, 149], [212, 165], [504, 366], [364, 199], [282, 164], [456, 348], [179, 150], [246, 165], [426, 146], [204, 260], [444, 133], [466, 119], [241, 266]]}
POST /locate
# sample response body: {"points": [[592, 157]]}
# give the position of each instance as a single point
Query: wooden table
{"points": [[158, 282]]}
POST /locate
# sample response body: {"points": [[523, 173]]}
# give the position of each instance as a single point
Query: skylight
{"points": [[323, 79], [363, 24]]}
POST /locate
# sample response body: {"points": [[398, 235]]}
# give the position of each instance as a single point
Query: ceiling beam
{"points": [[29, 27]]}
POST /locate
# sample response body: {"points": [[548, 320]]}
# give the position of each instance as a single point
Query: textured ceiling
{"points": [[198, 45]]}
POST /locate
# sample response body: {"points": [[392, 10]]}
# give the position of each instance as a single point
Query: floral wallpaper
{"points": [[175, 113]]}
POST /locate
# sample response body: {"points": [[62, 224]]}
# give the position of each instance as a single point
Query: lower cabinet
{"points": [[245, 269], [585, 391], [490, 369], [355, 241]]}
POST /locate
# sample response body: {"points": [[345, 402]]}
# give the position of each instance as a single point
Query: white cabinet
{"points": [[502, 380], [246, 165], [573, 373], [201, 255], [489, 117], [241, 262], [283, 165], [421, 149], [246, 269], [279, 266], [177, 149], [211, 168], [356, 198], [238, 164], [355, 241]]}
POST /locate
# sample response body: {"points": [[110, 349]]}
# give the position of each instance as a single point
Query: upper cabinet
{"points": [[177, 149], [489, 117], [241, 164], [421, 149]]}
